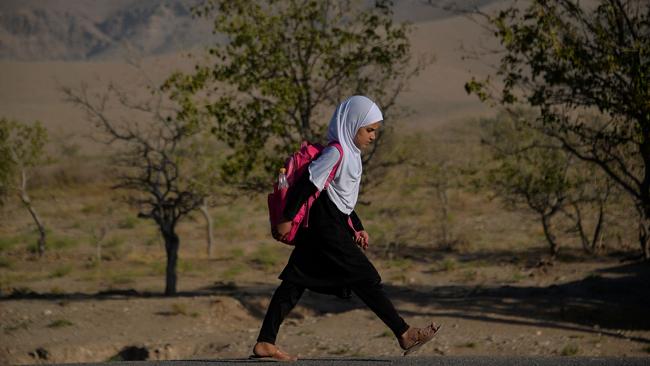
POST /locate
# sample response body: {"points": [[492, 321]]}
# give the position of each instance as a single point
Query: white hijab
{"points": [[354, 113]]}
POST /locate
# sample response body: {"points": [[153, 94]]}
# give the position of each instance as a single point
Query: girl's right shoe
{"points": [[417, 337]]}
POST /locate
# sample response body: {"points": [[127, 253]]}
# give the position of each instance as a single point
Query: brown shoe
{"points": [[269, 352], [414, 338]]}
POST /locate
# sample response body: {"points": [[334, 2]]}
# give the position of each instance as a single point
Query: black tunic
{"points": [[325, 258]]}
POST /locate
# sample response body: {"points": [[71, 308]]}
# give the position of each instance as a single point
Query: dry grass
{"points": [[400, 211]]}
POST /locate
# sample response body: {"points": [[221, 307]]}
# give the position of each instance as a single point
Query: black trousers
{"points": [[286, 296]]}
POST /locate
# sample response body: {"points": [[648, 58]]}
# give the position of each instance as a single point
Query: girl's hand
{"points": [[362, 239], [281, 230]]}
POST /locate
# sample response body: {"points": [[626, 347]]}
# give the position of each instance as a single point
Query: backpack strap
{"points": [[336, 166], [357, 234]]}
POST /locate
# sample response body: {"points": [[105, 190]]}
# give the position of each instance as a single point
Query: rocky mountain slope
{"points": [[78, 29], [40, 30]]}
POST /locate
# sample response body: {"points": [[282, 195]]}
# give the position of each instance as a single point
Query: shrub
{"points": [[178, 309], [12, 328], [8, 243], [59, 323], [61, 271], [232, 271], [236, 253], [62, 242], [5, 262], [128, 222], [400, 263], [122, 278], [569, 350], [266, 256], [185, 266], [88, 209]]}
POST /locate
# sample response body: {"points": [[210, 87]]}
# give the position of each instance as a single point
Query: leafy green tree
{"points": [[586, 69], [282, 67], [21, 149]]}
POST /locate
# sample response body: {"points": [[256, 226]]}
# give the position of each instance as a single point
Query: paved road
{"points": [[410, 361]]}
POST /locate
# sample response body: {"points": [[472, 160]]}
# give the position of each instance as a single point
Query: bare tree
{"points": [[530, 168], [590, 198], [21, 148], [154, 159]]}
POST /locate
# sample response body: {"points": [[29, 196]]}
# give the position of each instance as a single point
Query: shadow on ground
{"points": [[611, 301], [528, 257], [614, 298]]}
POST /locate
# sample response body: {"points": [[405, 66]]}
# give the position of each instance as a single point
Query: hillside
{"points": [[80, 30], [36, 30]]}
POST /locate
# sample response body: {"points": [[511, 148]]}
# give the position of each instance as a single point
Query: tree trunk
{"points": [[24, 197], [99, 252], [586, 246], [550, 238], [171, 247], [590, 246], [41, 231], [596, 243], [441, 192], [208, 220], [644, 235], [98, 236], [643, 205]]}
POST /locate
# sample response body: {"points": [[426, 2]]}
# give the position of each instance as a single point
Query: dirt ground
{"points": [[594, 308]]}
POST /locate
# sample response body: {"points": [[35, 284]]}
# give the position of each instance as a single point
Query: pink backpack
{"points": [[296, 165]]}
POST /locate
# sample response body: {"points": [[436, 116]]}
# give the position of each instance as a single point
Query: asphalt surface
{"points": [[407, 361]]}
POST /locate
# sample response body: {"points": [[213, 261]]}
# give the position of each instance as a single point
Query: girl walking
{"points": [[327, 257]]}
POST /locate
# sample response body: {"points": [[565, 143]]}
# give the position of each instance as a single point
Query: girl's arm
{"points": [[356, 221], [361, 237], [298, 195]]}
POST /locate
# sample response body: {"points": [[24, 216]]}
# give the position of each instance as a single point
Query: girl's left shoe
{"points": [[276, 355]]}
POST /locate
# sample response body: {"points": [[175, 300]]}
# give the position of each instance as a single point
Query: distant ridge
{"points": [[82, 29], [38, 30]]}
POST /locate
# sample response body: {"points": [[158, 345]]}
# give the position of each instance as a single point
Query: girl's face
{"points": [[366, 135]]}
